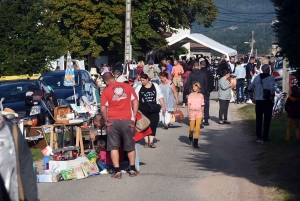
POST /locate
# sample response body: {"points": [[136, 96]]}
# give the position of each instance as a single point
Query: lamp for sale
{"points": [[93, 71]]}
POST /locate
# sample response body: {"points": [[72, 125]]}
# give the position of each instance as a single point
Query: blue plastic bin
{"points": [[46, 160]]}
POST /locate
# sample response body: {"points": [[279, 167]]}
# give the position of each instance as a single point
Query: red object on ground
{"points": [[140, 135]]}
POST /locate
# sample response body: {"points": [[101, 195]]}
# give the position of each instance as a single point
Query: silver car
{"points": [[278, 71]]}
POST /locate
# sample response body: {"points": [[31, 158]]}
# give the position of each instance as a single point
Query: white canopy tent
{"points": [[203, 40]]}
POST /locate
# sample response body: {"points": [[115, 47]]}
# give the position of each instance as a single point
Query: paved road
{"points": [[224, 168]]}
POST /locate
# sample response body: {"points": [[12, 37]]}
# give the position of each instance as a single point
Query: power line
{"points": [[238, 21], [242, 12], [234, 13], [233, 24]]}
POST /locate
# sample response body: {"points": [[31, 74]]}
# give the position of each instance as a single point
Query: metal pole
{"points": [[252, 44], [128, 31], [285, 77]]}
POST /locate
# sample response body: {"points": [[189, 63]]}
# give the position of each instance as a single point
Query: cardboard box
{"points": [[46, 177], [57, 166]]}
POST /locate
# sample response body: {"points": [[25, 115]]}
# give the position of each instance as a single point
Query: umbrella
{"points": [[69, 75]]}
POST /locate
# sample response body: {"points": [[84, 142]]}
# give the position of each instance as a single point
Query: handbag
{"points": [[154, 108], [172, 118], [142, 122], [266, 92], [178, 115]]}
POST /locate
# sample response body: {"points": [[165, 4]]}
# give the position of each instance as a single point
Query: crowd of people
{"points": [[154, 90]]}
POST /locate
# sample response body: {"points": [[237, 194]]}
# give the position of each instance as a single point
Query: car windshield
{"points": [[56, 81], [279, 64], [14, 92]]}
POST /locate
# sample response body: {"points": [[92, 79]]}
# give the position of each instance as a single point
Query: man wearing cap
{"points": [[152, 71]]}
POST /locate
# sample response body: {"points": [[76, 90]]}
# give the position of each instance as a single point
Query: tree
{"points": [[94, 26], [27, 42], [180, 50], [287, 29]]}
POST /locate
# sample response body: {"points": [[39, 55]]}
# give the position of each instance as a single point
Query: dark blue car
{"points": [[14, 93], [83, 85]]}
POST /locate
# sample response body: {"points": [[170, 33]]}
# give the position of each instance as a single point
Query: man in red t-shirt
{"points": [[119, 106]]}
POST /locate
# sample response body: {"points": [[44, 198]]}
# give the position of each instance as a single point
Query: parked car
{"points": [[65, 94], [14, 93], [278, 72]]}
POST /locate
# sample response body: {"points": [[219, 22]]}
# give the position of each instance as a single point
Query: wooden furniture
{"points": [[40, 143], [79, 141]]}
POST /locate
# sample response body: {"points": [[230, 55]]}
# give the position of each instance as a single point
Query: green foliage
{"points": [[288, 29], [27, 42], [236, 38], [180, 50], [94, 26], [37, 154]]}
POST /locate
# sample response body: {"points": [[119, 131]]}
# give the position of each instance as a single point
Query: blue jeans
{"points": [[248, 84], [137, 159], [103, 165], [240, 89]]}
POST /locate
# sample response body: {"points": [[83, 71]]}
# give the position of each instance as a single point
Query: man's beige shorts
{"points": [[177, 81]]}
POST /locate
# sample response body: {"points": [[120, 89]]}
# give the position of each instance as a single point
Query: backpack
{"points": [[266, 92], [132, 71]]}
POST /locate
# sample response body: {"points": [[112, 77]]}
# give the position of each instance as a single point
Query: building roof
{"points": [[203, 40]]}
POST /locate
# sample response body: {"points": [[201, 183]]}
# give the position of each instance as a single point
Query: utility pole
{"points": [[128, 32], [252, 42], [285, 77], [252, 45]]}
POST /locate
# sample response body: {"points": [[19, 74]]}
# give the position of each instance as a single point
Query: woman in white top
{"points": [[151, 101], [170, 97]]}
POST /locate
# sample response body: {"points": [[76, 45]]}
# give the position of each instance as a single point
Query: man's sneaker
{"points": [[249, 101], [104, 171], [258, 140], [205, 123]]}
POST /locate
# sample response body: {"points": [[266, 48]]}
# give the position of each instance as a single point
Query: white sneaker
{"points": [[249, 101], [104, 171]]}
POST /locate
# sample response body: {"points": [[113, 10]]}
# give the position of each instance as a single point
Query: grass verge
{"points": [[279, 160], [38, 155]]}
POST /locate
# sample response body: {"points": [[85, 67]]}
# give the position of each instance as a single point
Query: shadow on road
{"points": [[226, 149]]}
